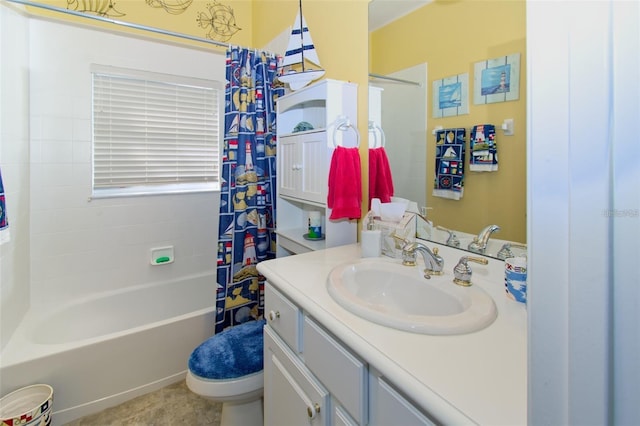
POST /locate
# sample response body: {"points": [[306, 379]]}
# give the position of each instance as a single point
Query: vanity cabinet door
{"points": [[292, 396], [388, 407]]}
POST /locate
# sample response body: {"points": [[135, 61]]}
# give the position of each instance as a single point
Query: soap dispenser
{"points": [[371, 239]]}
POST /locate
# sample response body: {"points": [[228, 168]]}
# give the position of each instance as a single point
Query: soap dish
{"points": [[307, 237]]}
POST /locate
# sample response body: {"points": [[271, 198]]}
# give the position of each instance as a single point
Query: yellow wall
{"points": [[139, 12], [340, 34], [339, 29], [450, 36]]}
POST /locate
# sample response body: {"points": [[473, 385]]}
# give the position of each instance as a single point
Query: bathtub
{"points": [[102, 350]]}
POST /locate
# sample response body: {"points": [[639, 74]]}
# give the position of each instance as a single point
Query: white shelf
{"points": [[307, 202], [296, 236], [303, 164]]}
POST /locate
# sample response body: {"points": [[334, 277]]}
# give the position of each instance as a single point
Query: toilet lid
{"points": [[235, 352]]}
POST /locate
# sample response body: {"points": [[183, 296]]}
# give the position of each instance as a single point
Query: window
{"points": [[154, 133]]}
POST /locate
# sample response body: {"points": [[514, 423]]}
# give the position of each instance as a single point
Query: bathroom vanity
{"points": [[327, 366]]}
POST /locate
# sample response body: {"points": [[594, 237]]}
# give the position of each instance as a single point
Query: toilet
{"points": [[227, 368]]}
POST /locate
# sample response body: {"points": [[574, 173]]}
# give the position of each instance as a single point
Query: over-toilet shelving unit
{"points": [[303, 162]]}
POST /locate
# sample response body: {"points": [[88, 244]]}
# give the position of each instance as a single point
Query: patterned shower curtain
{"points": [[246, 232]]}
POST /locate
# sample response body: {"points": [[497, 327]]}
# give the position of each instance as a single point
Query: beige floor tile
{"points": [[172, 405]]}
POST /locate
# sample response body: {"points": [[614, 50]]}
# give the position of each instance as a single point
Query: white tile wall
{"points": [[14, 162], [80, 246]]}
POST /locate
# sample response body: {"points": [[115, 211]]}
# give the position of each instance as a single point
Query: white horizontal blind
{"points": [[154, 132]]}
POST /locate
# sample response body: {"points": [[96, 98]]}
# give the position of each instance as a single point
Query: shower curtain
{"points": [[246, 232]]}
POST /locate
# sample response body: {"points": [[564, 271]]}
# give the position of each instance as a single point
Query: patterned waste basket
{"points": [[28, 406]]}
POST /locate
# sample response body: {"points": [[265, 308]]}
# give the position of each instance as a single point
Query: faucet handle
{"points": [[505, 252], [475, 246], [408, 256], [452, 240], [399, 240], [480, 260], [462, 271]]}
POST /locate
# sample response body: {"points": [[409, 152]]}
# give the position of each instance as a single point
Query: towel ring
{"points": [[374, 128], [344, 124]]}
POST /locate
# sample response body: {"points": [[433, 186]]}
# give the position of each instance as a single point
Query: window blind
{"points": [[154, 130]]}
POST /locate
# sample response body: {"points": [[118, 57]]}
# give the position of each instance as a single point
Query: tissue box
{"points": [[406, 229]]}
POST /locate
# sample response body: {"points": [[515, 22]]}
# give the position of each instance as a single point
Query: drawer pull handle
{"points": [[274, 315], [312, 411]]}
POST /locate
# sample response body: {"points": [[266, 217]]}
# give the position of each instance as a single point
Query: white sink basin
{"points": [[388, 293]]}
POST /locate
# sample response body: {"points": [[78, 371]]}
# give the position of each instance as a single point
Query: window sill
{"points": [[142, 191]]}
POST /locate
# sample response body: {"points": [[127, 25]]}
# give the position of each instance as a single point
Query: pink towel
{"points": [[345, 184], [380, 179]]}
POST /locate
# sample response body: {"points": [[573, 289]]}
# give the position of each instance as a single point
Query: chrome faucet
{"points": [[479, 243], [433, 262]]}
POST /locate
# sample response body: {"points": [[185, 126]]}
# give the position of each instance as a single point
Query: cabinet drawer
{"points": [[283, 316], [292, 395], [338, 369]]}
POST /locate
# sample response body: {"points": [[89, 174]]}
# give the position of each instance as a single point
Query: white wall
{"points": [[583, 212], [79, 246], [14, 163]]}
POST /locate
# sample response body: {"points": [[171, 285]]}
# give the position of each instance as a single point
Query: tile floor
{"points": [[171, 405]]}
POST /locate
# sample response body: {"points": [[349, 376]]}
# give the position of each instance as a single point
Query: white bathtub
{"points": [[100, 351]]}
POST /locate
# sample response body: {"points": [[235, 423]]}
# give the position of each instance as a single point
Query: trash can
{"points": [[28, 406]]}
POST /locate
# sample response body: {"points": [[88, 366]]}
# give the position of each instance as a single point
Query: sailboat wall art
{"points": [[300, 50], [451, 96]]}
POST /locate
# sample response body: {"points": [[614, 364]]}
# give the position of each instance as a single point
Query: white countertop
{"points": [[472, 378]]}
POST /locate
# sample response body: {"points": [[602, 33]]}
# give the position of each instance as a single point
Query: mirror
{"points": [[398, 104], [435, 40]]}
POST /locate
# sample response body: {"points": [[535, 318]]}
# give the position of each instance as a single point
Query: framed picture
{"points": [[451, 96], [497, 80]]}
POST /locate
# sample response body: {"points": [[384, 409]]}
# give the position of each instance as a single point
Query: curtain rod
{"points": [[121, 23], [399, 80]]}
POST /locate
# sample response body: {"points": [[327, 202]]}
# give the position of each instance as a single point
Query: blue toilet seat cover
{"points": [[233, 353]]}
